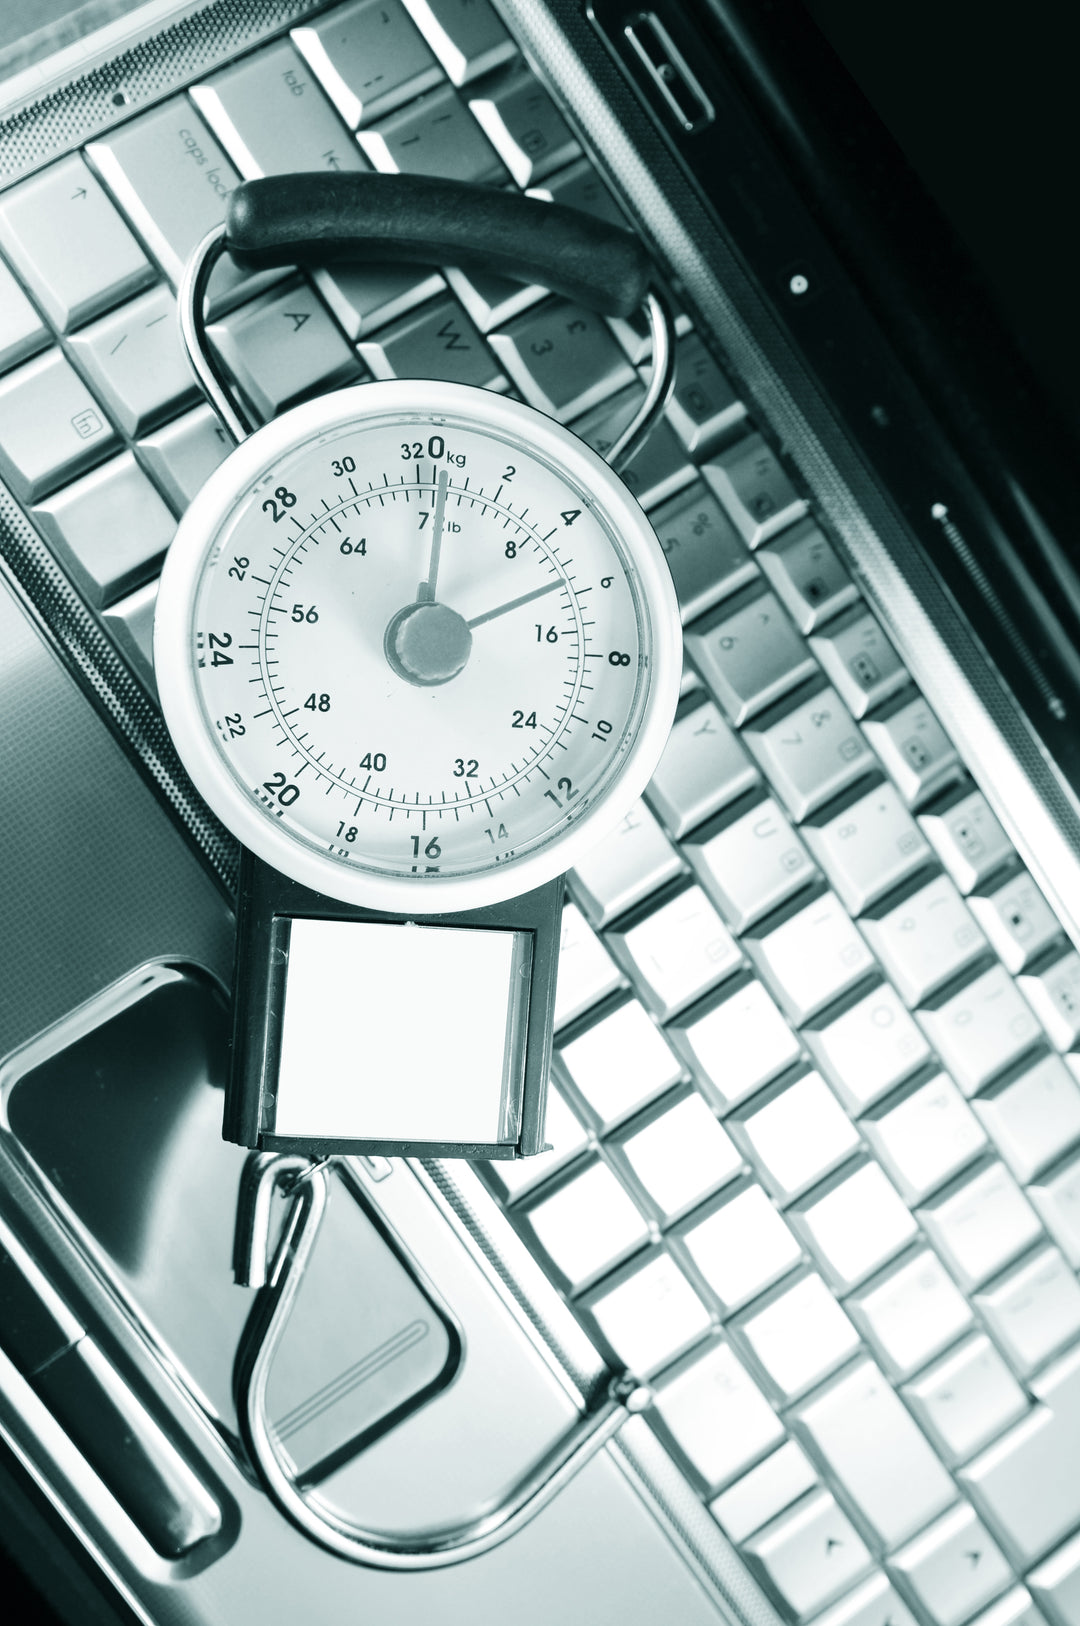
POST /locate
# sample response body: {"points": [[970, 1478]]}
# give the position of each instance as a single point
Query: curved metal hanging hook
{"points": [[279, 1279], [191, 302], [192, 299], [661, 381]]}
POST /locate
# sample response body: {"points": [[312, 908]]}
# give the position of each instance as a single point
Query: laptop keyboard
{"points": [[815, 1112]]}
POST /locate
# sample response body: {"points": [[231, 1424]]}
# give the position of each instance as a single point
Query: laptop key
{"points": [[981, 1226], [678, 952], [682, 1156], [861, 661], [466, 36], [810, 754], [172, 179], [1056, 1585], [877, 1452], [39, 221], [742, 1248], [794, 1137], [754, 488], [869, 848], [811, 960], [182, 456], [271, 117], [367, 297], [109, 529], [51, 428], [966, 1399], [809, 1555], [1018, 921], [1034, 1119], [749, 655], [136, 362], [21, 329], [738, 1045], [873, 1603], [911, 1314], [620, 1063], [854, 1227], [524, 126], [587, 973], [587, 1225], [707, 557], [926, 1138], [927, 940], [953, 1568], [751, 865], [650, 1316], [368, 57], [982, 1030], [437, 341], [703, 769], [655, 472], [914, 750], [562, 358], [1034, 1311], [718, 1417], [703, 409], [764, 1492], [1054, 994], [491, 300], [969, 840], [804, 571], [580, 187], [634, 860], [435, 135], [798, 1336], [1026, 1485], [283, 346], [868, 1050], [131, 625], [1057, 1198]]}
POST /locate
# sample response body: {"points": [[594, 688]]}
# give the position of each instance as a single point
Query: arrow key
{"points": [[808, 1556], [874, 1603], [41, 219], [953, 1568]]}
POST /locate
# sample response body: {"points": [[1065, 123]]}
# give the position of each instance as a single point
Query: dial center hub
{"points": [[427, 643]]}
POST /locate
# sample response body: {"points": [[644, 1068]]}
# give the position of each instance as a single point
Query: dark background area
{"points": [[981, 100]]}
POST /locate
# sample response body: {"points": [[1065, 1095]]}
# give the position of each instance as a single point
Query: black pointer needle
{"points": [[526, 598], [425, 593]]}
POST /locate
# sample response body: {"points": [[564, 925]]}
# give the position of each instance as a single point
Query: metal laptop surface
{"points": [[815, 1115]]}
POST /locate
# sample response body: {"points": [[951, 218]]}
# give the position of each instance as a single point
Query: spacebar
{"points": [[1026, 1485]]}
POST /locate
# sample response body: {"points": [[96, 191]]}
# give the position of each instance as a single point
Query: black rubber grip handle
{"points": [[316, 219]]}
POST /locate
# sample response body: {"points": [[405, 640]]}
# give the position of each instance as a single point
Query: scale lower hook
{"points": [[278, 1278]]}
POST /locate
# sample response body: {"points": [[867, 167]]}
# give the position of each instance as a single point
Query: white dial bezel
{"points": [[182, 705]]}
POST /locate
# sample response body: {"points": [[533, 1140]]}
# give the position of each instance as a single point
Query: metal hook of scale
{"points": [[219, 392], [278, 1275]]}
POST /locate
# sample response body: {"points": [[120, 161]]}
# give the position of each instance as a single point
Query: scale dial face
{"points": [[417, 659]]}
